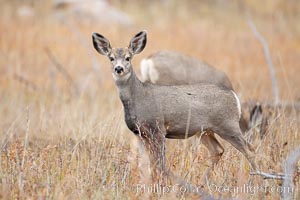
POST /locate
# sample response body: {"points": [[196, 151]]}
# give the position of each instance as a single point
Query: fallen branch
{"points": [[265, 175]]}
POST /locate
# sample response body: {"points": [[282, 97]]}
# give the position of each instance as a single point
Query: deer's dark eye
{"points": [[127, 59], [111, 59]]}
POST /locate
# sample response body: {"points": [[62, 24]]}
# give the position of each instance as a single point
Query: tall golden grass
{"points": [[63, 139]]}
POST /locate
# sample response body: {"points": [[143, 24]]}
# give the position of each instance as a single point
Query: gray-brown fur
{"points": [[174, 68], [157, 112]]}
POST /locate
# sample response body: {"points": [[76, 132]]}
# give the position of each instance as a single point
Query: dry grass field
{"points": [[62, 131]]}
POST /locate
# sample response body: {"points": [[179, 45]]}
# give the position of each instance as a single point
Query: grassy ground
{"points": [[63, 134]]}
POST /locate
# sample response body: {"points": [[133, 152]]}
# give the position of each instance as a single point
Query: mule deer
{"points": [[174, 68], [155, 112]]}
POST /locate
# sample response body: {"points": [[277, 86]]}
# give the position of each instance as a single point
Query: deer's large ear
{"points": [[138, 42], [101, 44]]}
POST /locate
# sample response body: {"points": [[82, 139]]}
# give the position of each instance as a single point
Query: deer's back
{"points": [[172, 68]]}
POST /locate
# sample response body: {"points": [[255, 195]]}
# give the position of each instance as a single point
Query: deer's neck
{"points": [[129, 87], [129, 90]]}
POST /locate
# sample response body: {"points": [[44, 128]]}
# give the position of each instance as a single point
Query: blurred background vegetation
{"points": [[214, 31]]}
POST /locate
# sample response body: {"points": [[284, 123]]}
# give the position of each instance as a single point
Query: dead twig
{"points": [[287, 176], [25, 81], [265, 175], [265, 46], [60, 68]]}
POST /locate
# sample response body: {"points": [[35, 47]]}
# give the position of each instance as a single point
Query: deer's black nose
{"points": [[119, 69]]}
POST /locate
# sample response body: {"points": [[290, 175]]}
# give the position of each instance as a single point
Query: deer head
{"points": [[120, 58]]}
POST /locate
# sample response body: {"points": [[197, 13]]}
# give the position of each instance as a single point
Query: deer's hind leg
{"points": [[231, 132], [215, 149]]}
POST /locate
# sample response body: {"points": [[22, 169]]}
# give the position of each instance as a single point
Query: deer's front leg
{"points": [[153, 139]]}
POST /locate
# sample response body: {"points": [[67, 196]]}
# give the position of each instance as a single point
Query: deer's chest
{"points": [[138, 115], [130, 115]]}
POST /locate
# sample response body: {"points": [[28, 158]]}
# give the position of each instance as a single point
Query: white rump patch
{"points": [[148, 71], [238, 103], [144, 67]]}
